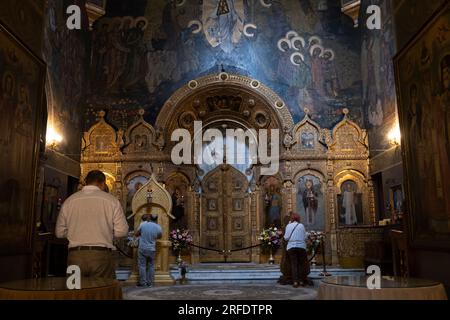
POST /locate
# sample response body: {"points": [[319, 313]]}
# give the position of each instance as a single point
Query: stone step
{"points": [[198, 274], [239, 273]]}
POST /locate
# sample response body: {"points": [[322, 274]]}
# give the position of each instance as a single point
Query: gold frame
{"points": [[412, 212], [38, 124]]}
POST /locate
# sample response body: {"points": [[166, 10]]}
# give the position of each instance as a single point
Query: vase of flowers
{"points": [[132, 240], [271, 239], [313, 243], [180, 239]]}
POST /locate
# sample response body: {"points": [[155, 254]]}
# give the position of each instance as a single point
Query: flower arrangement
{"points": [[132, 240], [180, 239], [313, 240], [271, 237]]}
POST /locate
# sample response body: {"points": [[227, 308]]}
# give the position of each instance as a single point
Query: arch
{"points": [[222, 167], [262, 179], [146, 130], [101, 141], [136, 173], [314, 143], [344, 175], [218, 81], [363, 189], [345, 128], [310, 171], [179, 173]]}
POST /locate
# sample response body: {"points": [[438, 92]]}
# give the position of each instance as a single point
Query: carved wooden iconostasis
{"points": [[323, 173]]}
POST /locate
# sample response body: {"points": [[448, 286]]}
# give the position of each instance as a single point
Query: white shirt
{"points": [[298, 237], [91, 217]]}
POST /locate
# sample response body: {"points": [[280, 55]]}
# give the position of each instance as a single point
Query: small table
{"points": [[55, 289], [355, 288]]}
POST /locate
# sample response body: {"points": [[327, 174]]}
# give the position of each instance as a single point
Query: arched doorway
{"points": [[227, 210]]}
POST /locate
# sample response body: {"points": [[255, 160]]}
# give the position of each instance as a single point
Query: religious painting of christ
{"points": [[21, 106], [224, 30]]}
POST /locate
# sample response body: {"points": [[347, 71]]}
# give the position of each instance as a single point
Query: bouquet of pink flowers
{"points": [[180, 239], [271, 237]]}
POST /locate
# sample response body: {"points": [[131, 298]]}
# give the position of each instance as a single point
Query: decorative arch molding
{"points": [[101, 142], [344, 175], [313, 172], [364, 187], [239, 82], [223, 167], [179, 173], [317, 140], [262, 179], [143, 131], [348, 138], [137, 173]]}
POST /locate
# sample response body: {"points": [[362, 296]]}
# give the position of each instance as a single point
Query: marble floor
{"points": [[234, 291]]}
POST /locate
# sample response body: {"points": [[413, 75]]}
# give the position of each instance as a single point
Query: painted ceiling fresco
{"points": [[307, 51]]}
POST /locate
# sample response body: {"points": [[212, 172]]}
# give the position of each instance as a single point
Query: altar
{"points": [[323, 175]]}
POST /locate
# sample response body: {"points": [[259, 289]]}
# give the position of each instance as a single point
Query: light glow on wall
{"points": [[394, 136], [53, 138]]}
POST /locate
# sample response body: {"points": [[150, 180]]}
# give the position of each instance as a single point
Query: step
{"points": [[249, 274], [240, 273]]}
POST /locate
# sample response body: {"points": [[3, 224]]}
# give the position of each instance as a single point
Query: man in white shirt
{"points": [[295, 235], [90, 219]]}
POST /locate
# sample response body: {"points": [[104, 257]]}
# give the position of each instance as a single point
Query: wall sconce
{"points": [[394, 136], [52, 138]]}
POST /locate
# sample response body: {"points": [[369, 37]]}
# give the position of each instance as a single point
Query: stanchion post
{"points": [[324, 272]]}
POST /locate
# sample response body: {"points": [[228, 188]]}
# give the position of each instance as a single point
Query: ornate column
{"points": [[332, 214], [195, 224], [254, 207]]}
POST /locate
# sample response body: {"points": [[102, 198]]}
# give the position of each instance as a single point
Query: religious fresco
{"points": [[310, 202], [21, 107], [423, 75], [66, 54], [307, 56], [378, 48]]}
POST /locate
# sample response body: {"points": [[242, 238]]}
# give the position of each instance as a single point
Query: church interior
{"points": [[354, 95]]}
